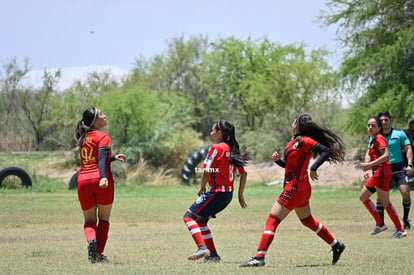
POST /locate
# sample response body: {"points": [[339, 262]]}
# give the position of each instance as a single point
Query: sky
{"points": [[56, 34]]}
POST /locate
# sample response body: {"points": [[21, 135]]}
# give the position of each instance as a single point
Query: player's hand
{"points": [[201, 191], [364, 166], [103, 183], [275, 156], [409, 170], [314, 175], [366, 175], [242, 201], [121, 157]]}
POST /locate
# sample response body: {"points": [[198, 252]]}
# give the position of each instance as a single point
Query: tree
{"points": [[378, 36]]}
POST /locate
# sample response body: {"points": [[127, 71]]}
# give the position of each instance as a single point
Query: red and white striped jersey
{"points": [[222, 172]]}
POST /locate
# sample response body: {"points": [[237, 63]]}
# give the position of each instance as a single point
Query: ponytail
{"points": [[237, 158]]}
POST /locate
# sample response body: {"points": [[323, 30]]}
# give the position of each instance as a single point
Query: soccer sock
{"points": [[207, 237], [392, 212], [102, 236], [373, 211], [268, 235], [194, 231], [90, 230], [406, 207], [319, 229], [380, 210]]}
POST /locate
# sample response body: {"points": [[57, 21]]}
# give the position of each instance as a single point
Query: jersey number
{"points": [[87, 157]]}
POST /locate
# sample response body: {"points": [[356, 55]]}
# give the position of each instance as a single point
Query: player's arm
{"points": [[409, 154], [242, 185]]}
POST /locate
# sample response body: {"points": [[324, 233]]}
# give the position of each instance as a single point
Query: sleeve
{"points": [[281, 163], [324, 153], [102, 157], [404, 139], [241, 170], [210, 158]]}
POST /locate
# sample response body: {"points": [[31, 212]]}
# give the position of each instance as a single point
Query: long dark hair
{"points": [[86, 124], [237, 158], [322, 135]]}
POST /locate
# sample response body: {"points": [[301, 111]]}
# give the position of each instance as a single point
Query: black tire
{"points": [[191, 163], [18, 172], [73, 183]]}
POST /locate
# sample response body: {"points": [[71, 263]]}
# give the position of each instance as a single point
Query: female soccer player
{"points": [[95, 180], [376, 159], [219, 169], [309, 139]]}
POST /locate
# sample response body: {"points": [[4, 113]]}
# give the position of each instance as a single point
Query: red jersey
{"points": [[297, 155], [94, 141], [222, 172], [375, 147]]}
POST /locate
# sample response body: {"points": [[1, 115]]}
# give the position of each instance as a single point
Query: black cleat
{"points": [[254, 261], [337, 250], [102, 259], [92, 255], [407, 224]]}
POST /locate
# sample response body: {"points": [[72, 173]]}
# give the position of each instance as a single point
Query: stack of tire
{"points": [[191, 163]]}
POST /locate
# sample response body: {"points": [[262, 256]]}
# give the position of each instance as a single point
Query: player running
{"points": [[376, 159], [309, 139]]}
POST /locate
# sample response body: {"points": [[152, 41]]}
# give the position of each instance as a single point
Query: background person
{"points": [[220, 166], [397, 144], [95, 180], [309, 139], [409, 132], [376, 159]]}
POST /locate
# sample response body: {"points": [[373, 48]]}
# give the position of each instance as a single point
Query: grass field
{"points": [[42, 233]]}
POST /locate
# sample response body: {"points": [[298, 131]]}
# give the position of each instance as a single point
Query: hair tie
{"points": [[218, 125]]}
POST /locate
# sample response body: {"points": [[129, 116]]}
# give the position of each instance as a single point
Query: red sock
{"points": [[195, 231], [207, 236], [394, 217], [268, 235], [319, 229], [90, 230], [373, 210], [102, 236]]}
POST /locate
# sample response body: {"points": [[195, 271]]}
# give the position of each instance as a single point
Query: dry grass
{"points": [[42, 233]]}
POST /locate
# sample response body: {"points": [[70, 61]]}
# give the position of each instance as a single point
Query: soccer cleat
{"points": [[202, 252], [209, 259], [337, 250], [407, 224], [92, 255], [254, 261], [379, 229], [398, 234], [102, 259]]}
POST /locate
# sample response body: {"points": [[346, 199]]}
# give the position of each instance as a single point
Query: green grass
{"points": [[42, 233]]}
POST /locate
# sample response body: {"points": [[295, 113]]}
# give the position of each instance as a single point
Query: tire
{"points": [[191, 163], [18, 172], [73, 182]]}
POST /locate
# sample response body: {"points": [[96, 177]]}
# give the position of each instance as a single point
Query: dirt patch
{"points": [[343, 174]]}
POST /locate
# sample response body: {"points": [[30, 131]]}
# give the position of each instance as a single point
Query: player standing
{"points": [[95, 180], [219, 169]]}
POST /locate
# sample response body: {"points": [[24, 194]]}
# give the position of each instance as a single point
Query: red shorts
{"points": [[90, 194], [379, 180], [292, 199]]}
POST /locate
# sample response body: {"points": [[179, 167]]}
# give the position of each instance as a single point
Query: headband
{"points": [[218, 125], [94, 117]]}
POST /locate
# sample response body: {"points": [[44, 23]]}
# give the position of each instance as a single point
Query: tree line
{"points": [[165, 107]]}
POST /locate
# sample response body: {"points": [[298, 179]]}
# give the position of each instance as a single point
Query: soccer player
{"points": [[397, 143], [309, 139], [376, 159], [95, 180], [219, 169]]}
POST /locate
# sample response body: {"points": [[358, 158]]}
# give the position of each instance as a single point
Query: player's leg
{"points": [[277, 214], [104, 213], [364, 197], [384, 198]]}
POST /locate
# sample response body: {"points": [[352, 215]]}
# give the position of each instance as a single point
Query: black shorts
{"points": [[398, 174]]}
